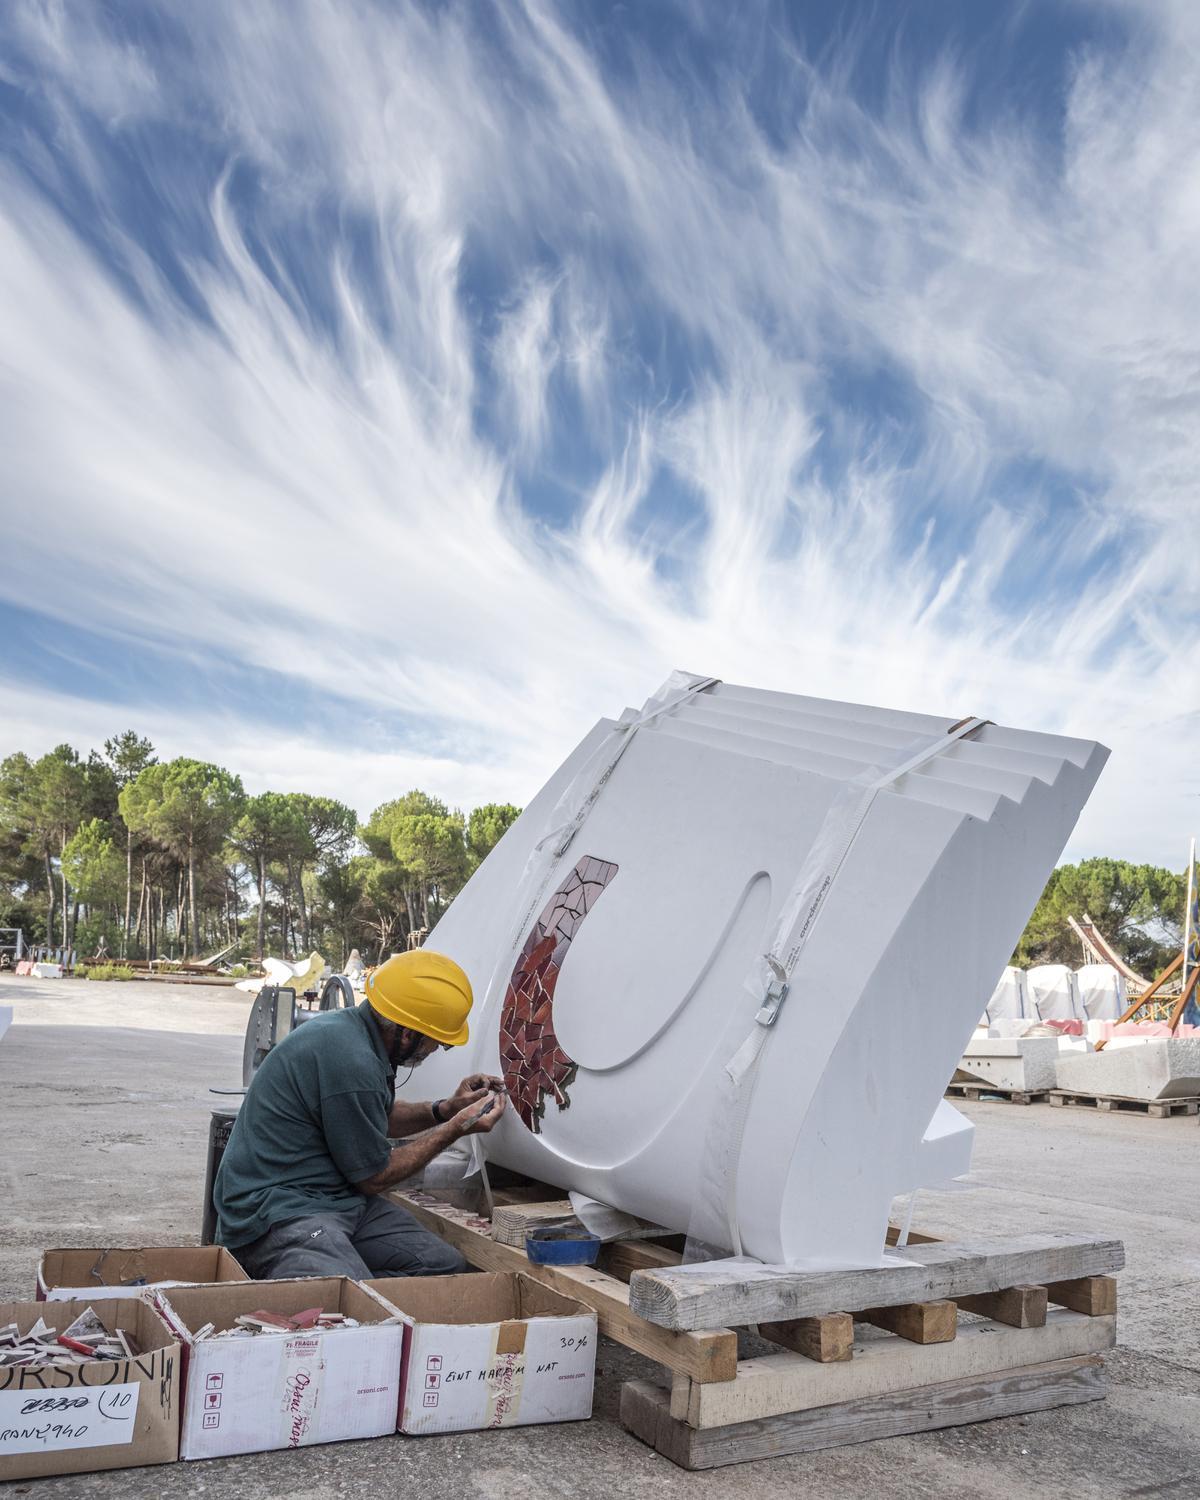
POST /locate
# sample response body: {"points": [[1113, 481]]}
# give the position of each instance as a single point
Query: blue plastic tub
{"points": [[559, 1245]]}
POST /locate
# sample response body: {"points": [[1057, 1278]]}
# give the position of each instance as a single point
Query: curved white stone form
{"points": [[1054, 993], [1101, 991], [616, 980]]}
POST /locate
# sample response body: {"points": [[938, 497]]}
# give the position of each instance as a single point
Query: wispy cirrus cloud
{"points": [[453, 373]]}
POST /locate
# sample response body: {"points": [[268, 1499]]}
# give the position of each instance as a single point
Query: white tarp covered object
{"points": [[1101, 991], [1010, 998], [655, 1059], [1054, 993]]}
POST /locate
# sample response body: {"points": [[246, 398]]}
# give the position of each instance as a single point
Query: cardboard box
{"points": [[246, 1395], [107, 1273], [105, 1414], [497, 1350]]}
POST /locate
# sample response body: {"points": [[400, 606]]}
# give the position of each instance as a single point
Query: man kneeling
{"points": [[297, 1192]]}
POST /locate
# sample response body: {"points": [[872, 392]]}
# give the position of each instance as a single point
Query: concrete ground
{"points": [[104, 1109]]}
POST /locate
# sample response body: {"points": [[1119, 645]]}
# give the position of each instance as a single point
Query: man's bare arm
{"points": [[411, 1116], [406, 1160]]}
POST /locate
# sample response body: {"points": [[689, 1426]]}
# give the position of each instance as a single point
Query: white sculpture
{"points": [[1101, 991], [300, 976], [1054, 993], [886, 861], [355, 970]]}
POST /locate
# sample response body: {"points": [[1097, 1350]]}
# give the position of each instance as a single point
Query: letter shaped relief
{"points": [[534, 1064]]}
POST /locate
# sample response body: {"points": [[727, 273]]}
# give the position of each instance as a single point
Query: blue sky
{"points": [[388, 390]]}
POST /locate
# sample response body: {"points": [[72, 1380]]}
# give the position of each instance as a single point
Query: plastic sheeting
{"points": [[1101, 991], [1054, 993], [1010, 998]]}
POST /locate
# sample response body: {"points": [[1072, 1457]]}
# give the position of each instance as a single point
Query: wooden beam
{"points": [[828, 1340], [1130, 1011], [1096, 1296], [772, 1384], [511, 1222], [918, 1322], [1017, 1306], [693, 1298], [681, 1393], [892, 1238], [621, 1258], [705, 1356], [1185, 995], [645, 1412]]}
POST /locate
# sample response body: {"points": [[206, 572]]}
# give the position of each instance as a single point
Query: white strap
{"points": [[625, 732]]}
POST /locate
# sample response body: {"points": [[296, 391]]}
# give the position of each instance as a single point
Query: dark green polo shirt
{"points": [[313, 1123]]}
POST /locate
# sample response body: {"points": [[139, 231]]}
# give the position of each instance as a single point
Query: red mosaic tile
{"points": [[533, 1063]]}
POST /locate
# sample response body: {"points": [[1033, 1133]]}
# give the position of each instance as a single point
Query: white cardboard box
{"points": [[247, 1395], [490, 1350], [93, 1274]]}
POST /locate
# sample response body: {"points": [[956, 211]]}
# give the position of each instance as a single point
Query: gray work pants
{"points": [[377, 1239]]}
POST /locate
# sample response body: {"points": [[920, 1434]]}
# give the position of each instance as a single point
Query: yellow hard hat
{"points": [[424, 991]]}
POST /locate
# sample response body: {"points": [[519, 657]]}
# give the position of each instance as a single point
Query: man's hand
{"points": [[476, 1112], [478, 1118], [475, 1087]]}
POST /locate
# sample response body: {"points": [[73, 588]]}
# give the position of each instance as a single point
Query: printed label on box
{"points": [[302, 1367], [74, 1416], [257, 1394], [473, 1382]]}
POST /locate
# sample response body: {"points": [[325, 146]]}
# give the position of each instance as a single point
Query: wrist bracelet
{"points": [[436, 1110]]}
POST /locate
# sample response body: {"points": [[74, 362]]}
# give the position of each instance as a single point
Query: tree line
{"points": [[172, 859], [1138, 908]]}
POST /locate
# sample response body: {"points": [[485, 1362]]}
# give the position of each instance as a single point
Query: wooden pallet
{"points": [[1158, 1109], [960, 1333], [704, 1355], [646, 1413], [989, 1353], [990, 1091]]}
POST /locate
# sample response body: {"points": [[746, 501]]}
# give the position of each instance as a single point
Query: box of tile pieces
{"points": [[120, 1273], [497, 1350], [85, 1388], [281, 1364]]}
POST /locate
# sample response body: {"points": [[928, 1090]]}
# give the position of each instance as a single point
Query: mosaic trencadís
{"points": [[533, 1063]]}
